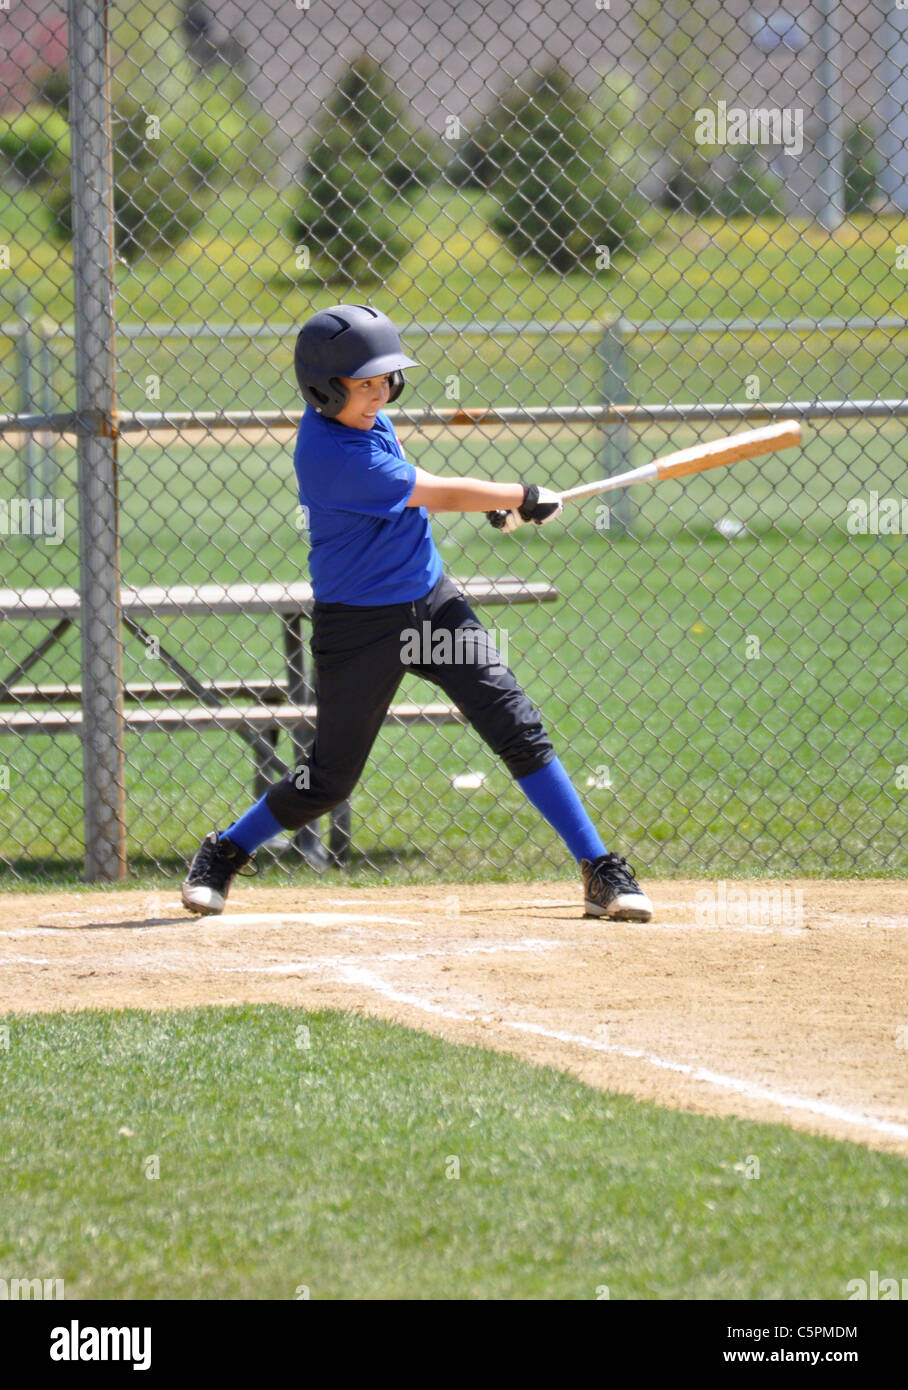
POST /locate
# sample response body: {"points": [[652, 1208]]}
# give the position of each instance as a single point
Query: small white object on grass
{"points": [[730, 527], [468, 781]]}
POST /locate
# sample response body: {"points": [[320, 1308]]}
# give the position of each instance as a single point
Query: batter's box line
{"points": [[528, 945], [736, 1085]]}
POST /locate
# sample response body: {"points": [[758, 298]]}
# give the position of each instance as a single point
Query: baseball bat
{"points": [[748, 444]]}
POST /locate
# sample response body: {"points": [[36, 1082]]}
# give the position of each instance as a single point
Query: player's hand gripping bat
{"points": [[697, 459]]}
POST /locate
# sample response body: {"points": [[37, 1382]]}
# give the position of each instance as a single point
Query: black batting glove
{"points": [[540, 504]]}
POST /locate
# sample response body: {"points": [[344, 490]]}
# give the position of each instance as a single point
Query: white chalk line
{"points": [[322, 964], [272, 920], [354, 972], [308, 919], [316, 964]]}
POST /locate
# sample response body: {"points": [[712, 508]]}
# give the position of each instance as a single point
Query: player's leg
{"points": [[356, 658], [357, 669], [472, 673]]}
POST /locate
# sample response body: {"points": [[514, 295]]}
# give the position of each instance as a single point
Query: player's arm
{"points": [[462, 494], [514, 501]]}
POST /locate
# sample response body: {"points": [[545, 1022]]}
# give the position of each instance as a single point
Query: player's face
{"points": [[368, 395]]}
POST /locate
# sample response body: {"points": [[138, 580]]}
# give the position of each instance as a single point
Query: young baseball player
{"points": [[376, 576]]}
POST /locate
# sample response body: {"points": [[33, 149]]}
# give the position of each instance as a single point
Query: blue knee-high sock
{"points": [[254, 828], [552, 793]]}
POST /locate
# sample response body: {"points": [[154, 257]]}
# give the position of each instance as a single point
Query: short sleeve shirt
{"points": [[366, 545]]}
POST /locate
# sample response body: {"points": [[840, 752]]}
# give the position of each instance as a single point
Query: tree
{"points": [[860, 169], [34, 144], [752, 189], [364, 162], [564, 201], [345, 224], [168, 167], [53, 88], [366, 105], [484, 153]]}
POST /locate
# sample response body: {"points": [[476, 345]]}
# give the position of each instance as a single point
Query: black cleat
{"points": [[610, 890], [211, 873]]}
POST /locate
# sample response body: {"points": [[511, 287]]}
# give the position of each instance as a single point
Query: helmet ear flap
{"points": [[328, 402], [338, 397], [396, 383]]}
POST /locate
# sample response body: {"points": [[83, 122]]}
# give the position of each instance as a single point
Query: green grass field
{"points": [[329, 1171]]}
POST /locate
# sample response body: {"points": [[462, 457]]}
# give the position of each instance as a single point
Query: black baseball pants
{"points": [[360, 657]]}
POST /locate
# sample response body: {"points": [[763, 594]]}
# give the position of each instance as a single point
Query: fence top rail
{"points": [[620, 327], [131, 422]]}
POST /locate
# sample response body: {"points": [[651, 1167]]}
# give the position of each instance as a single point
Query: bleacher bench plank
{"points": [[261, 691], [262, 717], [193, 600]]}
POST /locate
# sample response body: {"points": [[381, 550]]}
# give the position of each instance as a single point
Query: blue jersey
{"points": [[366, 545]]}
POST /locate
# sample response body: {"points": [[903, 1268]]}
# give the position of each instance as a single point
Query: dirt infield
{"points": [[771, 1001]]}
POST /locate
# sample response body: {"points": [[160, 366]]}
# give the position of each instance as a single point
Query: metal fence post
{"points": [[93, 269], [892, 41], [829, 111], [616, 452]]}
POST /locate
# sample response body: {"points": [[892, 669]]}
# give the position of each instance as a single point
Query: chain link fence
{"points": [[606, 231]]}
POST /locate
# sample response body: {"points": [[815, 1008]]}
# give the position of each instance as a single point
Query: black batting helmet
{"points": [[348, 340]]}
